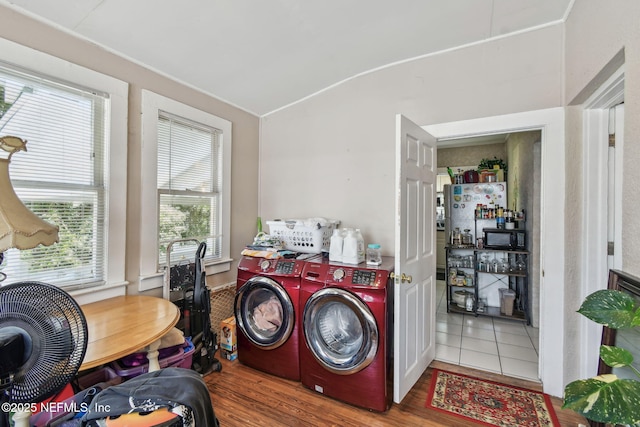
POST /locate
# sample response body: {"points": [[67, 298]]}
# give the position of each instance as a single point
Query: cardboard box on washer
{"points": [[228, 335]]}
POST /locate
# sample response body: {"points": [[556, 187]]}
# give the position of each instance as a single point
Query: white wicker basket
{"points": [[311, 236]]}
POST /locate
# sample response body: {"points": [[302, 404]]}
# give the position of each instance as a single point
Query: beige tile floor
{"points": [[496, 345]]}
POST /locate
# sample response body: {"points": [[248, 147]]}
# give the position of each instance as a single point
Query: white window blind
{"points": [[61, 177], [189, 179]]}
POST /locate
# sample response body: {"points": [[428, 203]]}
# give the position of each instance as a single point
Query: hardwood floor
{"points": [[243, 396]]}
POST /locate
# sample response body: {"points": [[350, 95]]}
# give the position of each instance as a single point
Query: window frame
{"points": [[37, 62], [151, 276]]}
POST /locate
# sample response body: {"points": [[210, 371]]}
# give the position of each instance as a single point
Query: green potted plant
{"points": [[491, 163], [607, 398]]}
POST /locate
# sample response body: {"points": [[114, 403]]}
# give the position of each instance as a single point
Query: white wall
{"points": [[333, 155], [596, 32]]}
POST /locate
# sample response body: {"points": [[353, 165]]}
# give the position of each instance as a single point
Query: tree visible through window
{"points": [[188, 186]]}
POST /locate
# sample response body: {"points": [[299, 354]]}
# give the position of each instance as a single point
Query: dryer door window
{"points": [[264, 312], [340, 331]]}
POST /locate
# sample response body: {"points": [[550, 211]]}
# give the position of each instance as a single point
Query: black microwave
{"points": [[498, 238]]}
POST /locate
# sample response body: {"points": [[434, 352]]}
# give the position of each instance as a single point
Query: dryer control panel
{"points": [[285, 267], [272, 267]]}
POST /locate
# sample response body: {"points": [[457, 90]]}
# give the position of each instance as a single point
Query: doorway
{"points": [[550, 123], [502, 346]]}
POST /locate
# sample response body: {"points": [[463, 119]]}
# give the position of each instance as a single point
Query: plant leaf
{"points": [[615, 357], [611, 308], [605, 399]]}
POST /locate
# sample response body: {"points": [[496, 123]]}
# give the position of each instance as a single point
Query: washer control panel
{"points": [[364, 277], [285, 267], [276, 267]]}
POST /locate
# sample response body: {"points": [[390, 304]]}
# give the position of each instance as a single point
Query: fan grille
{"points": [[58, 331]]}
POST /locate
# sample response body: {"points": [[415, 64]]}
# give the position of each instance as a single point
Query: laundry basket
{"points": [[311, 235]]}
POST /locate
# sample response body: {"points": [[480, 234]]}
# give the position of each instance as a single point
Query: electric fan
{"points": [[43, 340]]}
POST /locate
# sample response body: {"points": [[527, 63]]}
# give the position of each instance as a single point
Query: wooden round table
{"points": [[123, 325]]}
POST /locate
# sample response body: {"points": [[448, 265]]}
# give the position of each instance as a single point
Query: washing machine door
{"points": [[340, 331], [264, 312]]}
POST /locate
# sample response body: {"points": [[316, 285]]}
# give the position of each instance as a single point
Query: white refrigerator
{"points": [[460, 203]]}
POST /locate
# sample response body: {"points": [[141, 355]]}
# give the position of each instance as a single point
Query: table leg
{"points": [[21, 418], [152, 356]]}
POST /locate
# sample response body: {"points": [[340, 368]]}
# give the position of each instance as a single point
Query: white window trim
{"points": [[118, 91], [152, 103]]}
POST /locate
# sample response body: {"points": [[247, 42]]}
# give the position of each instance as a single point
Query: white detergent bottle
{"points": [[350, 248], [335, 246], [361, 248]]}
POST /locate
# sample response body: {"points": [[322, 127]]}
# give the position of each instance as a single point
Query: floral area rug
{"points": [[489, 403]]}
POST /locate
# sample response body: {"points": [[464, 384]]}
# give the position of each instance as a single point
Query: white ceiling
{"points": [[262, 55]]}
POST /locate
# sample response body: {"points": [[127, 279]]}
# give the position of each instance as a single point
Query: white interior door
{"points": [[415, 255]]}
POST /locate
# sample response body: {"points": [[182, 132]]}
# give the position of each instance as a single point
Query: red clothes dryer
{"points": [[266, 311], [347, 325]]}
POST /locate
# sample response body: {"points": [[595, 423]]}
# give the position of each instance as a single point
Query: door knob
{"points": [[403, 277]]}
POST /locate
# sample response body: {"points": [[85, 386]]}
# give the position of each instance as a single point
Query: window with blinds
{"points": [[189, 179], [61, 177]]}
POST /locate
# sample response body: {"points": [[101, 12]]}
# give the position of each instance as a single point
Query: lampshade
{"points": [[19, 227]]}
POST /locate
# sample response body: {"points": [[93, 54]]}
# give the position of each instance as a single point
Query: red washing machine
{"points": [[266, 311], [347, 325]]}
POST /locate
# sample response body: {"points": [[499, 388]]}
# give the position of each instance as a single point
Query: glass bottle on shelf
{"points": [[469, 281], [467, 238], [513, 264], [493, 265], [468, 302], [469, 261], [456, 237], [483, 264]]}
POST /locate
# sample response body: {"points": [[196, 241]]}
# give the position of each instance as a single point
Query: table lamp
{"points": [[19, 227]]}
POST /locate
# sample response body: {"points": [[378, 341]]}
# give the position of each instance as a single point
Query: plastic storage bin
{"points": [[507, 298], [182, 358], [137, 359], [104, 377]]}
